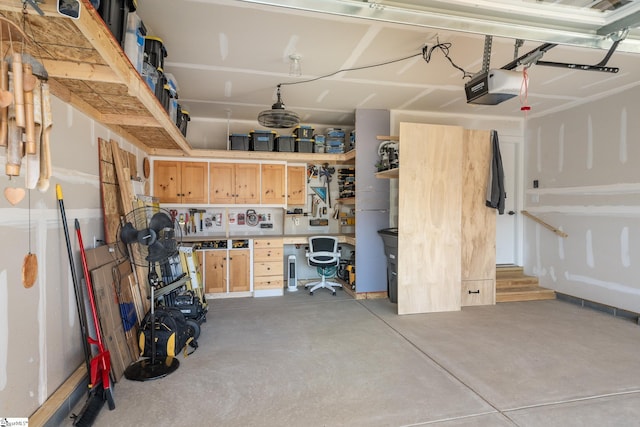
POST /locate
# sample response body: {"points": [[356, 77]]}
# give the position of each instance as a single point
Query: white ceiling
{"points": [[228, 56]]}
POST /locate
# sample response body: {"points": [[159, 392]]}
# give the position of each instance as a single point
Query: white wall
{"points": [[40, 342], [586, 160]]}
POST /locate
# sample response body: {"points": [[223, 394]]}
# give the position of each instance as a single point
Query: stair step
{"points": [[508, 269], [525, 293], [513, 285], [508, 282]]}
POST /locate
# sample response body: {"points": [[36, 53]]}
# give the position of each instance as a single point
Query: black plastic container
{"points": [[302, 131], [183, 120], [285, 143], [239, 141], [304, 145], [161, 82], [155, 51], [261, 140], [114, 14]]}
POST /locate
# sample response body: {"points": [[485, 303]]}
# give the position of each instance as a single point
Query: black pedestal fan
{"points": [[149, 234]]}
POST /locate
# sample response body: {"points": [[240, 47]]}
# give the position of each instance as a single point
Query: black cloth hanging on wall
{"points": [[496, 194]]}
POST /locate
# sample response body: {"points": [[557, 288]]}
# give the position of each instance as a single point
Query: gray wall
{"points": [[40, 342], [586, 160]]}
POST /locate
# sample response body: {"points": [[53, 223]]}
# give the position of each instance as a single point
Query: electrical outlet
{"points": [[535, 183], [95, 242]]}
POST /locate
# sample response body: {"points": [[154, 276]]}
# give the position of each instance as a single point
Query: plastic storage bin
{"points": [[150, 75], [134, 41], [155, 51], [304, 132], [285, 143], [239, 141], [261, 140], [304, 145], [183, 119], [114, 14]]}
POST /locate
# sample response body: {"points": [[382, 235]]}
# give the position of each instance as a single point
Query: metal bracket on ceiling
{"points": [[486, 54], [534, 57], [600, 66]]}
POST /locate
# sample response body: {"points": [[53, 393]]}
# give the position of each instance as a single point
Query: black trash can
{"points": [[390, 239]]}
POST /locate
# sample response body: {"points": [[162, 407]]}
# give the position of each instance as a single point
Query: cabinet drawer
{"points": [[271, 268], [478, 292], [267, 243], [268, 282], [268, 254]]}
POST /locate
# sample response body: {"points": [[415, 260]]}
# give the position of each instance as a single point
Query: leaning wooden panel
{"points": [[478, 221], [430, 201]]}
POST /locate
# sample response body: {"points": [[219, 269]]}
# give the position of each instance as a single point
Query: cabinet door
{"points": [[215, 274], [273, 184], [247, 183], [194, 182], [296, 185], [222, 183], [239, 277], [166, 181]]}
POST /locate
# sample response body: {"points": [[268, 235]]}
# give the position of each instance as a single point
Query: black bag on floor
{"points": [[172, 334]]}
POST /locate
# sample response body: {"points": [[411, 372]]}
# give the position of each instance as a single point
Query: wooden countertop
{"points": [[287, 239]]}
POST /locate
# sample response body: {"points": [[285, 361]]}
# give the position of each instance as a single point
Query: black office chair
{"points": [[324, 255]]}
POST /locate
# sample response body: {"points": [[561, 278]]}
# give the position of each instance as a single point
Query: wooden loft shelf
{"points": [[88, 69], [344, 158]]}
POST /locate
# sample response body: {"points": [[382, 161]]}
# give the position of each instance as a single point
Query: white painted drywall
{"points": [[40, 341], [587, 163]]}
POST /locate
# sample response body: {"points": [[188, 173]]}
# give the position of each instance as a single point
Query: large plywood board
{"points": [[478, 221], [110, 191], [430, 204]]}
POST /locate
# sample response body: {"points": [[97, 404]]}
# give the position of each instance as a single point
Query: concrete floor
{"points": [[302, 360]]}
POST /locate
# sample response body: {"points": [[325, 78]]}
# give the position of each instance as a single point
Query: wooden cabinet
{"points": [[478, 292], [268, 266], [446, 236], [215, 271], [234, 183], [238, 264], [273, 184], [180, 182], [296, 185], [478, 271], [227, 270]]}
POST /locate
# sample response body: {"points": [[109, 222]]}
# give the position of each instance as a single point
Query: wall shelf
{"points": [[388, 174]]}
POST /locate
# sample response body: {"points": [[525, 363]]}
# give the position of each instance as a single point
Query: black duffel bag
{"points": [[172, 335]]}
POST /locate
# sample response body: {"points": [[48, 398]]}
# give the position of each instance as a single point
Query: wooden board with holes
{"points": [[124, 178], [109, 191]]}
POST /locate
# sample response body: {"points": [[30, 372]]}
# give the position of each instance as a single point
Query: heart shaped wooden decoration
{"points": [[14, 195]]}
